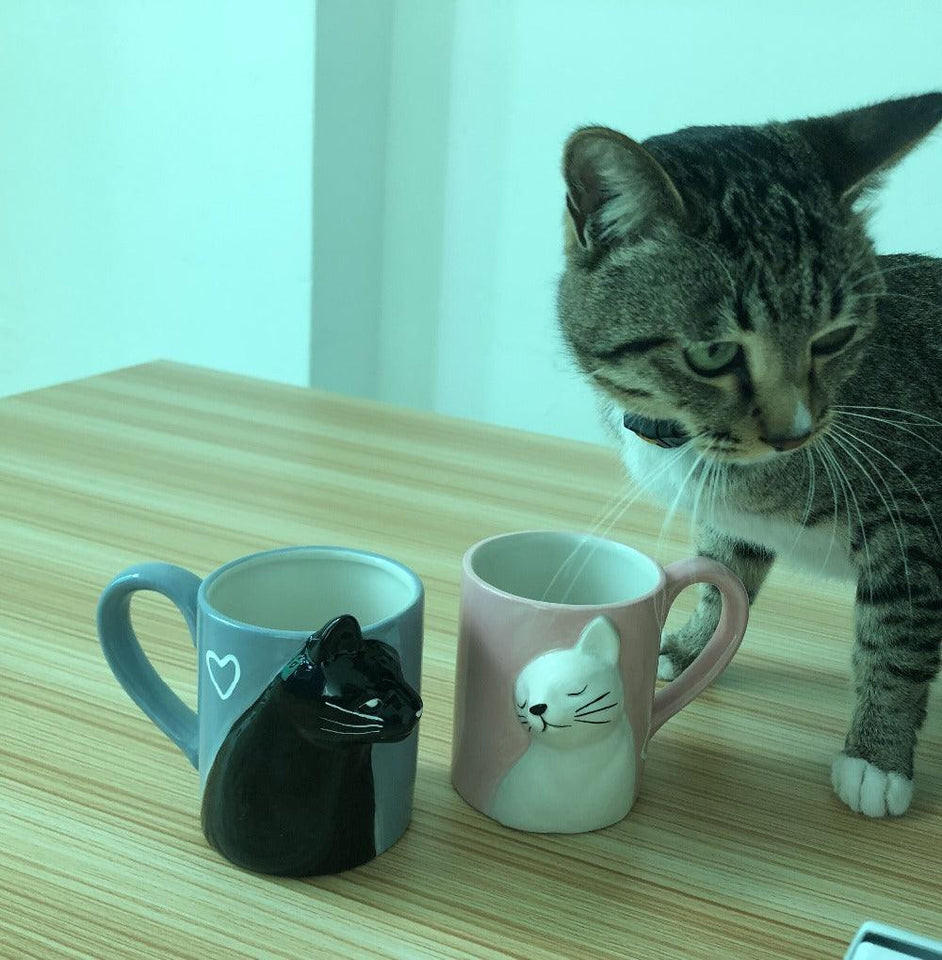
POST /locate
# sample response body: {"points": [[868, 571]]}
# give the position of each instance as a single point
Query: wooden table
{"points": [[736, 848]]}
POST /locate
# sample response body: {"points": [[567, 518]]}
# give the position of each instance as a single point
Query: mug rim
{"points": [[472, 575], [374, 559]]}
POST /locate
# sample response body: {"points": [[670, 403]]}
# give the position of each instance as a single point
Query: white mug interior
{"points": [[299, 590], [565, 568]]}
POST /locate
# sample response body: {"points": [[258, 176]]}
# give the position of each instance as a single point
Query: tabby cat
{"points": [[765, 370]]}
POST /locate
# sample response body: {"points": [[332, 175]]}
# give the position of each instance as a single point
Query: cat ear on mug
{"points": [[858, 146], [600, 639], [615, 188], [340, 635]]}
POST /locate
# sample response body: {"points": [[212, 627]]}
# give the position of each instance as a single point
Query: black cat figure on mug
{"points": [[291, 791]]}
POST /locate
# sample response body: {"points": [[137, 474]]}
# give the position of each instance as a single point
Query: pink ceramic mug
{"points": [[557, 660]]}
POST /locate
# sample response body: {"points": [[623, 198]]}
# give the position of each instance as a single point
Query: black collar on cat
{"points": [[662, 433]]}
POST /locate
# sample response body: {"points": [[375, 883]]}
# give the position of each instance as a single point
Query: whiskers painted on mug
{"points": [[599, 707]]}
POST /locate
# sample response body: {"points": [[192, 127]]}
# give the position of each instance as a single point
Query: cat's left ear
{"points": [[615, 189], [341, 635], [600, 639], [857, 146]]}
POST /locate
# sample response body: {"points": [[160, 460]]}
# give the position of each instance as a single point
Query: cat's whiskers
{"points": [[849, 489], [584, 709], [586, 713], [881, 272], [607, 693], [661, 609], [624, 504], [349, 733], [908, 413], [719, 477], [723, 474], [704, 476], [895, 425], [355, 726], [902, 473], [809, 459], [614, 511], [827, 470], [843, 440], [896, 296], [672, 510], [355, 713]]}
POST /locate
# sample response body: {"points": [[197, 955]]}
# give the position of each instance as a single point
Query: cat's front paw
{"points": [[867, 789]]}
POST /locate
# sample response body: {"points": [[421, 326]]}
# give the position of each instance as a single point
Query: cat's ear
{"points": [[600, 639], [857, 146], [615, 188], [341, 635]]}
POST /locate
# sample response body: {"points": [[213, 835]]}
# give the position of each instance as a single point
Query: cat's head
{"points": [[722, 277], [343, 688], [571, 697]]}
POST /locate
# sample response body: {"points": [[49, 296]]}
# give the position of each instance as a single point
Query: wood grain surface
{"points": [[736, 847]]}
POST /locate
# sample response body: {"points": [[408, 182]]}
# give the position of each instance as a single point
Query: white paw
{"points": [[665, 668], [868, 789]]}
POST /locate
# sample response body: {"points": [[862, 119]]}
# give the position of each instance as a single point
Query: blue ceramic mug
{"points": [[304, 733]]}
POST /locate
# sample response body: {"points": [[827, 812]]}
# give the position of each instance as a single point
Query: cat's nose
{"points": [[787, 425], [538, 709], [784, 443]]}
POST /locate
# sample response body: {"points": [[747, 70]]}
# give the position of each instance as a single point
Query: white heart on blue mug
{"points": [[213, 658]]}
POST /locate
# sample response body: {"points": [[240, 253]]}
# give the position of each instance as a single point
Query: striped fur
{"points": [[755, 235]]}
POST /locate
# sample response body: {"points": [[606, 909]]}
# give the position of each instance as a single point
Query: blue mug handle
{"points": [[127, 660]]}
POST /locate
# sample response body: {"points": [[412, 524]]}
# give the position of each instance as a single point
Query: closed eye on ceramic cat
{"points": [[763, 369]]}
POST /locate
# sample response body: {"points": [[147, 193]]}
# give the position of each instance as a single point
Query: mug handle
{"points": [[714, 658], [126, 658]]}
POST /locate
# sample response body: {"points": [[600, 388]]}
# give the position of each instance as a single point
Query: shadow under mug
{"points": [[249, 619], [557, 662]]}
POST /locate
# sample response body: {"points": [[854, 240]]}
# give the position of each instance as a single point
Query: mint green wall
{"points": [[155, 186], [351, 85], [525, 73], [169, 186]]}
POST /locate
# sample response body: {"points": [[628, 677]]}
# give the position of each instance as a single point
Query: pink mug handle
{"points": [[714, 658]]}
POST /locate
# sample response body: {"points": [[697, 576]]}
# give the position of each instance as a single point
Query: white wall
{"points": [[155, 186], [381, 129], [524, 73], [351, 104], [157, 164]]}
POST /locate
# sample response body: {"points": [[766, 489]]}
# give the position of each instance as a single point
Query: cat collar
{"points": [[662, 433]]}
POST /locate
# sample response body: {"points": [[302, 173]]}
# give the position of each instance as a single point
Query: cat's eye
{"points": [[372, 703], [833, 341], [714, 358]]}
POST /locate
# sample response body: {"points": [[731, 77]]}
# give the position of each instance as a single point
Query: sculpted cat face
{"points": [[570, 697], [343, 688], [720, 277]]}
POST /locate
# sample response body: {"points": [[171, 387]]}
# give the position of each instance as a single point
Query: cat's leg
{"points": [[749, 561], [898, 621]]}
